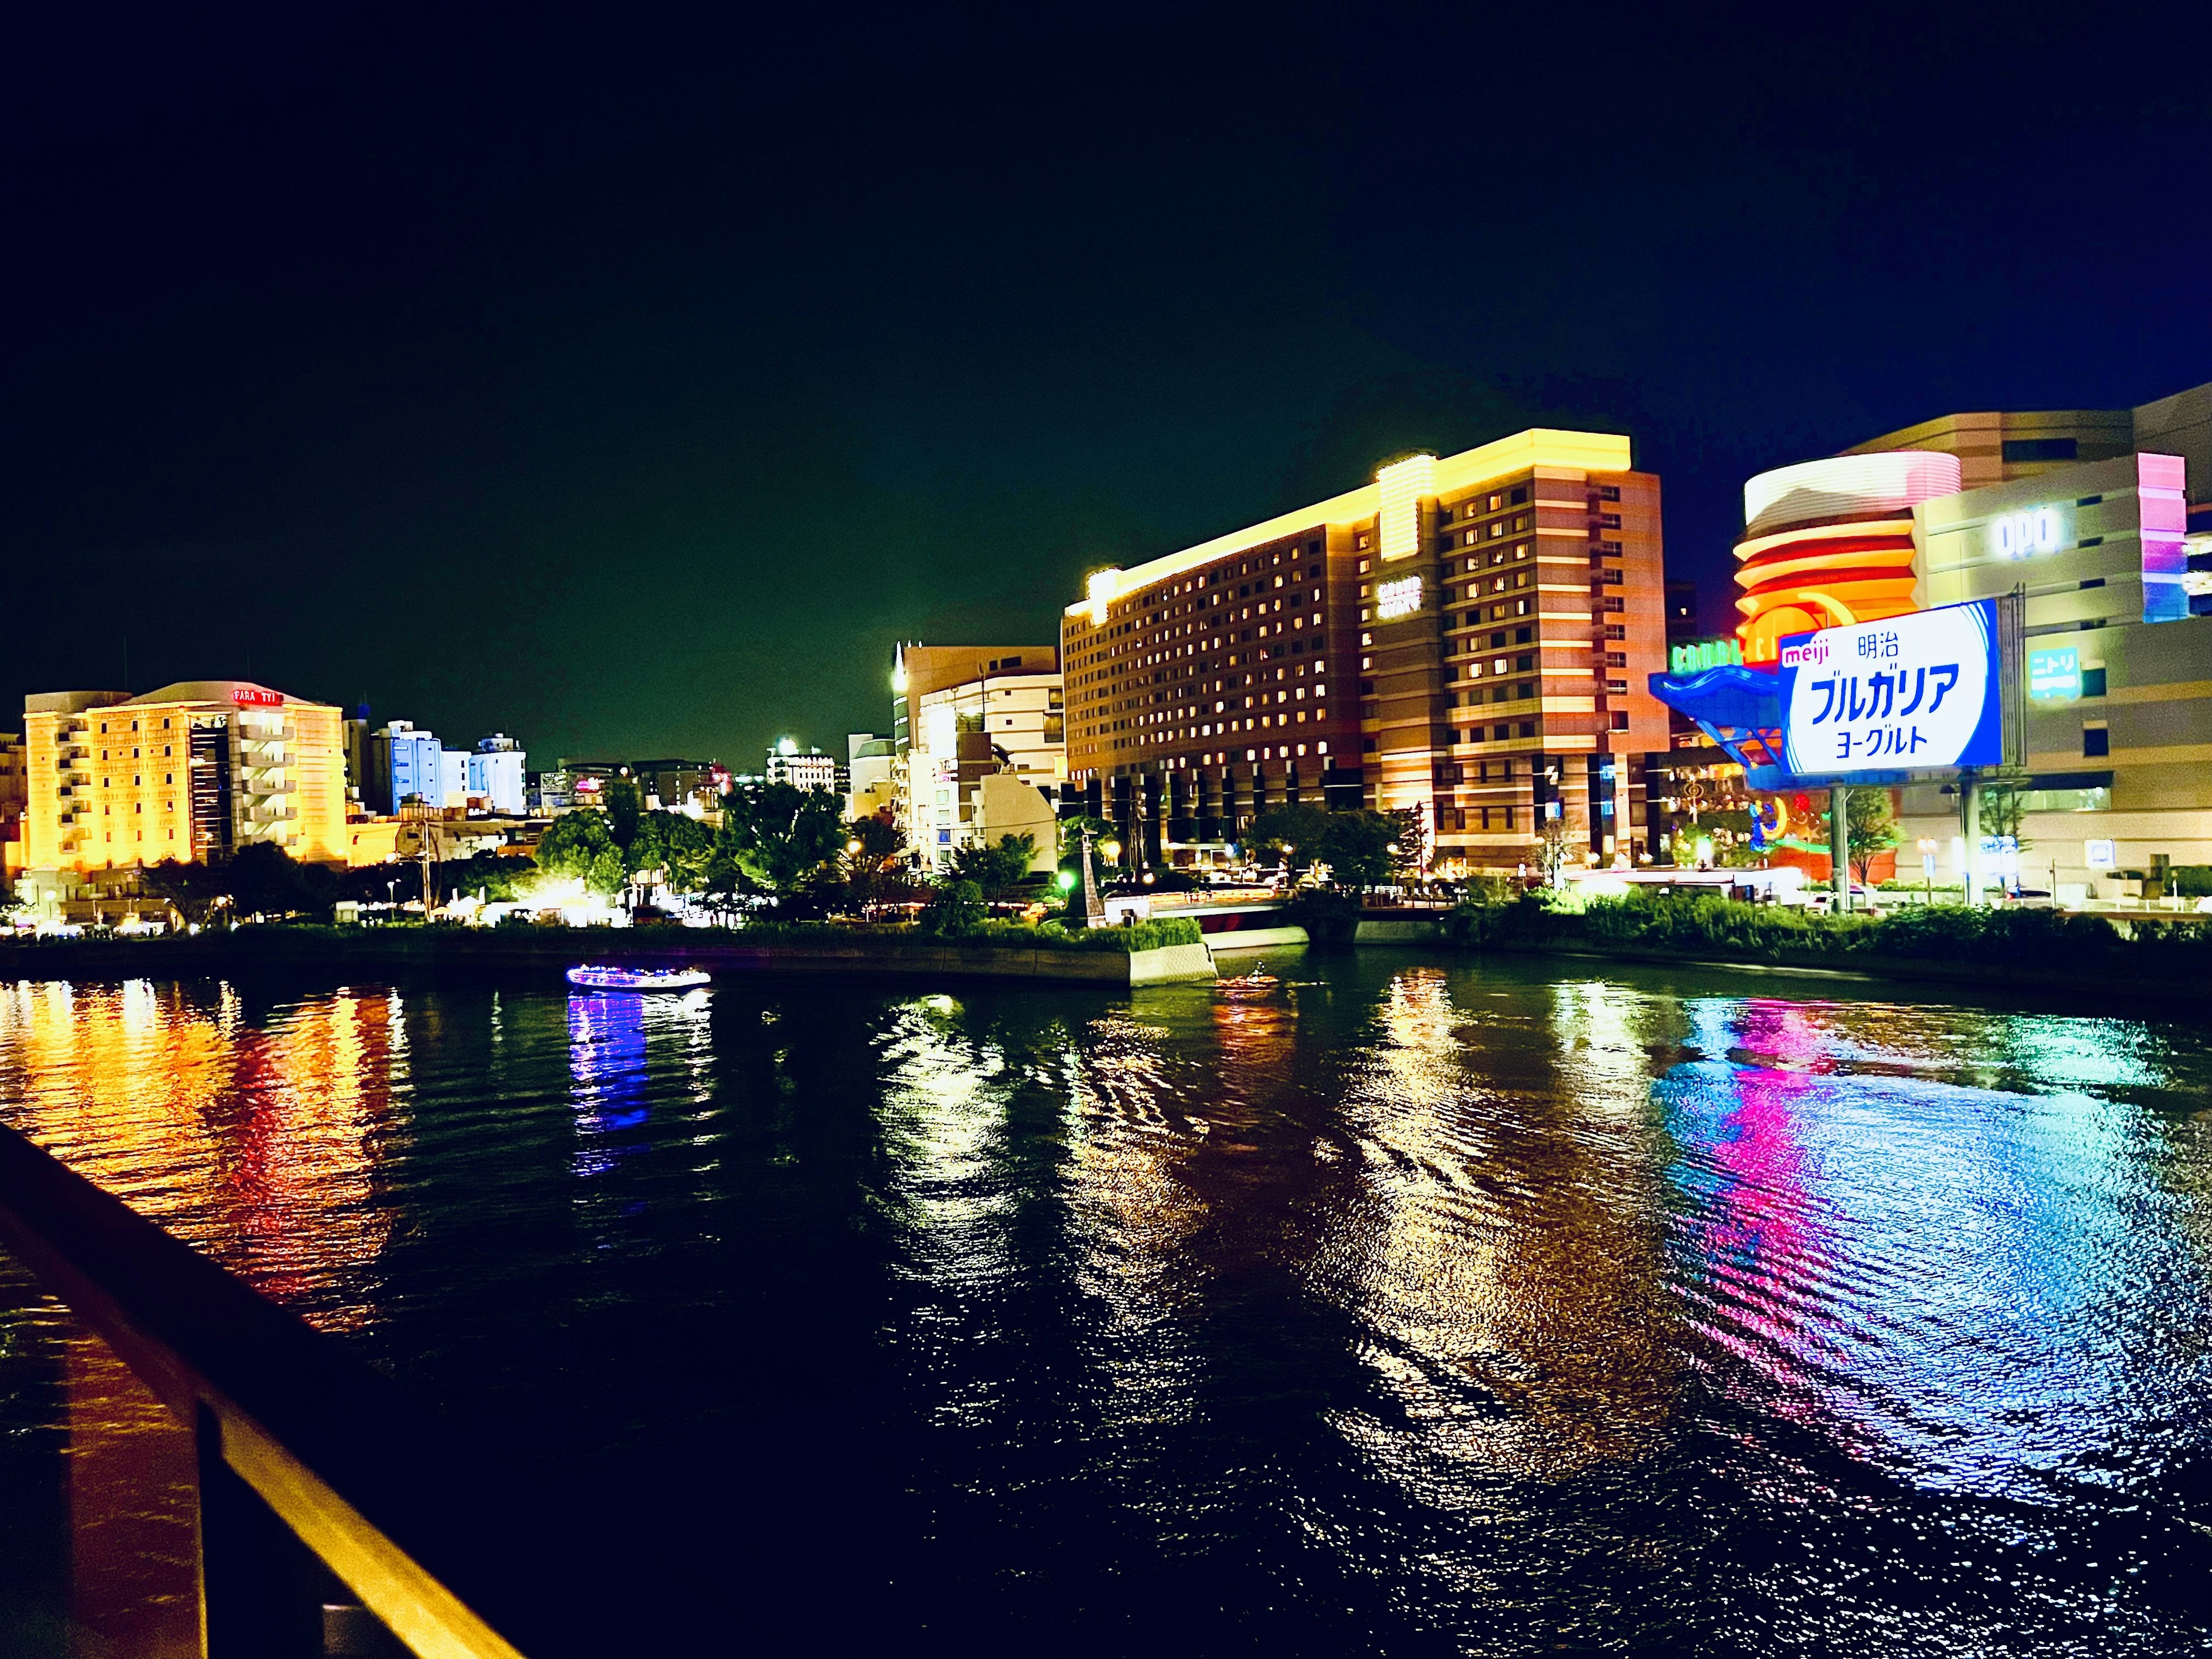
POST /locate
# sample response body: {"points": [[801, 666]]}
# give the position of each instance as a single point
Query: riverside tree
{"points": [[778, 837]]}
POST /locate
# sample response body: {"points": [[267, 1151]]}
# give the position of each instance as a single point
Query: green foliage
{"points": [[994, 869], [493, 875], [1137, 936], [1360, 849], [1869, 827], [678, 845], [192, 888], [2001, 802], [623, 803], [954, 911], [581, 846], [260, 879], [1706, 926], [880, 838], [779, 836]]}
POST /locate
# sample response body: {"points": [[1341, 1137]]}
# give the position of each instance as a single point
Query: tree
{"points": [[1869, 827], [779, 835], [675, 844], [994, 869], [579, 846], [1360, 848], [190, 888], [955, 909], [624, 804], [1292, 835], [880, 839], [2002, 803]]}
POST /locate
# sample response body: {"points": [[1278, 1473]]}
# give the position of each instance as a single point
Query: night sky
{"points": [[630, 383]]}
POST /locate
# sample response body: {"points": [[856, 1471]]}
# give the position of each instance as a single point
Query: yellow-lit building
{"points": [[195, 771], [1469, 637]]}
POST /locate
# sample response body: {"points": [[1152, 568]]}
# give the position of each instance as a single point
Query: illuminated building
{"points": [[1467, 637], [194, 771], [807, 768], [1829, 542], [404, 763], [14, 796], [870, 764], [2103, 520], [495, 772], [961, 713]]}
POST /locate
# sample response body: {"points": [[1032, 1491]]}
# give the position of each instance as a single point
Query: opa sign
{"points": [[2018, 535]]}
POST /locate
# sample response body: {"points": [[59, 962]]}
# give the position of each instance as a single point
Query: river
{"points": [[1396, 1304]]}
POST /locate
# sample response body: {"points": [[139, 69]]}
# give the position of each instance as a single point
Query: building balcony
{"points": [[270, 814], [266, 786]]}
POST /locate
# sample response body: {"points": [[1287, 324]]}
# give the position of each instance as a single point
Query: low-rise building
{"points": [[495, 772], [805, 768], [870, 766]]}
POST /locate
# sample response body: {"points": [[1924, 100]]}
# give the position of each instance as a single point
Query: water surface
{"points": [[1402, 1306]]}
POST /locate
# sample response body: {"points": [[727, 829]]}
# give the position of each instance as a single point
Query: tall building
{"points": [[1465, 638], [495, 773], [961, 713], [193, 771]]}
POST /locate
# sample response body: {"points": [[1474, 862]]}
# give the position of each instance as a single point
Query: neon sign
{"points": [[2054, 676], [1401, 597], [253, 697], [2018, 535], [1701, 654]]}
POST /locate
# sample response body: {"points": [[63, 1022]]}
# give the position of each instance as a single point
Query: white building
{"points": [[495, 773], [808, 768]]}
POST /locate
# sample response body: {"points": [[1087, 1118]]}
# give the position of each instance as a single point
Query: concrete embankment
{"points": [[462, 951]]}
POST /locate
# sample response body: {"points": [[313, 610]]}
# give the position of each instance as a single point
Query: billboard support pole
{"points": [[1840, 846], [1970, 834]]}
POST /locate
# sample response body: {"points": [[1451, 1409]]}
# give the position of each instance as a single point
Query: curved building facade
{"points": [[1830, 542]]}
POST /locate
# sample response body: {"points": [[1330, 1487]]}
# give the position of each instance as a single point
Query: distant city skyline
{"points": [[588, 386]]}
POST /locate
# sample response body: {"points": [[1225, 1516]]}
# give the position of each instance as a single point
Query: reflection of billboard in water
{"points": [[1909, 693]]}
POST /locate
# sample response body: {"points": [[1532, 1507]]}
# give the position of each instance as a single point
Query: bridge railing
{"points": [[318, 1511]]}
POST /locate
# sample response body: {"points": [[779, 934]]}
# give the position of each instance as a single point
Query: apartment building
{"points": [[196, 770], [1467, 637]]}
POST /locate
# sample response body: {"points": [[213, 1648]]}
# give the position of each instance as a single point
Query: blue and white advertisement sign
{"points": [[1908, 694]]}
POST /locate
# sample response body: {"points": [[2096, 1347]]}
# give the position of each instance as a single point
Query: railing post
{"points": [[265, 1589]]}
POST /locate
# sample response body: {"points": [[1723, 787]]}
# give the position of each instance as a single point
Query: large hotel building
{"points": [[192, 772], [1467, 637]]}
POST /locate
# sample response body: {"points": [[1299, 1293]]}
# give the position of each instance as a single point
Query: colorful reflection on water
{"points": [[1380, 1305]]}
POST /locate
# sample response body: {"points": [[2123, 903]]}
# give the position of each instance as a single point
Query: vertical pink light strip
{"points": [[2162, 516]]}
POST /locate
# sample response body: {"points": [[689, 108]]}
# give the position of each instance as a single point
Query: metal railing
{"points": [[306, 1466]]}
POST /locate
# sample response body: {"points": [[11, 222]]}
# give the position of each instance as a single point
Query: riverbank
{"points": [[468, 951], [2022, 949]]}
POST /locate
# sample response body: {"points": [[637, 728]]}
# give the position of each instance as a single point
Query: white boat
{"points": [[599, 978]]}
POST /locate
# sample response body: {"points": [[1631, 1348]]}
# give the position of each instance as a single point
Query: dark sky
{"points": [[629, 382]]}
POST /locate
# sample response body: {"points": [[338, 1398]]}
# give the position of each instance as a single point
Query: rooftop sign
{"points": [[251, 697]]}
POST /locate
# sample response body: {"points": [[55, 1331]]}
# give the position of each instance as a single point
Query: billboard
{"points": [[1907, 694]]}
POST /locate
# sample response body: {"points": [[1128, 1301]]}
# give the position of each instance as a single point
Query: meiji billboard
{"points": [[1908, 694]]}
